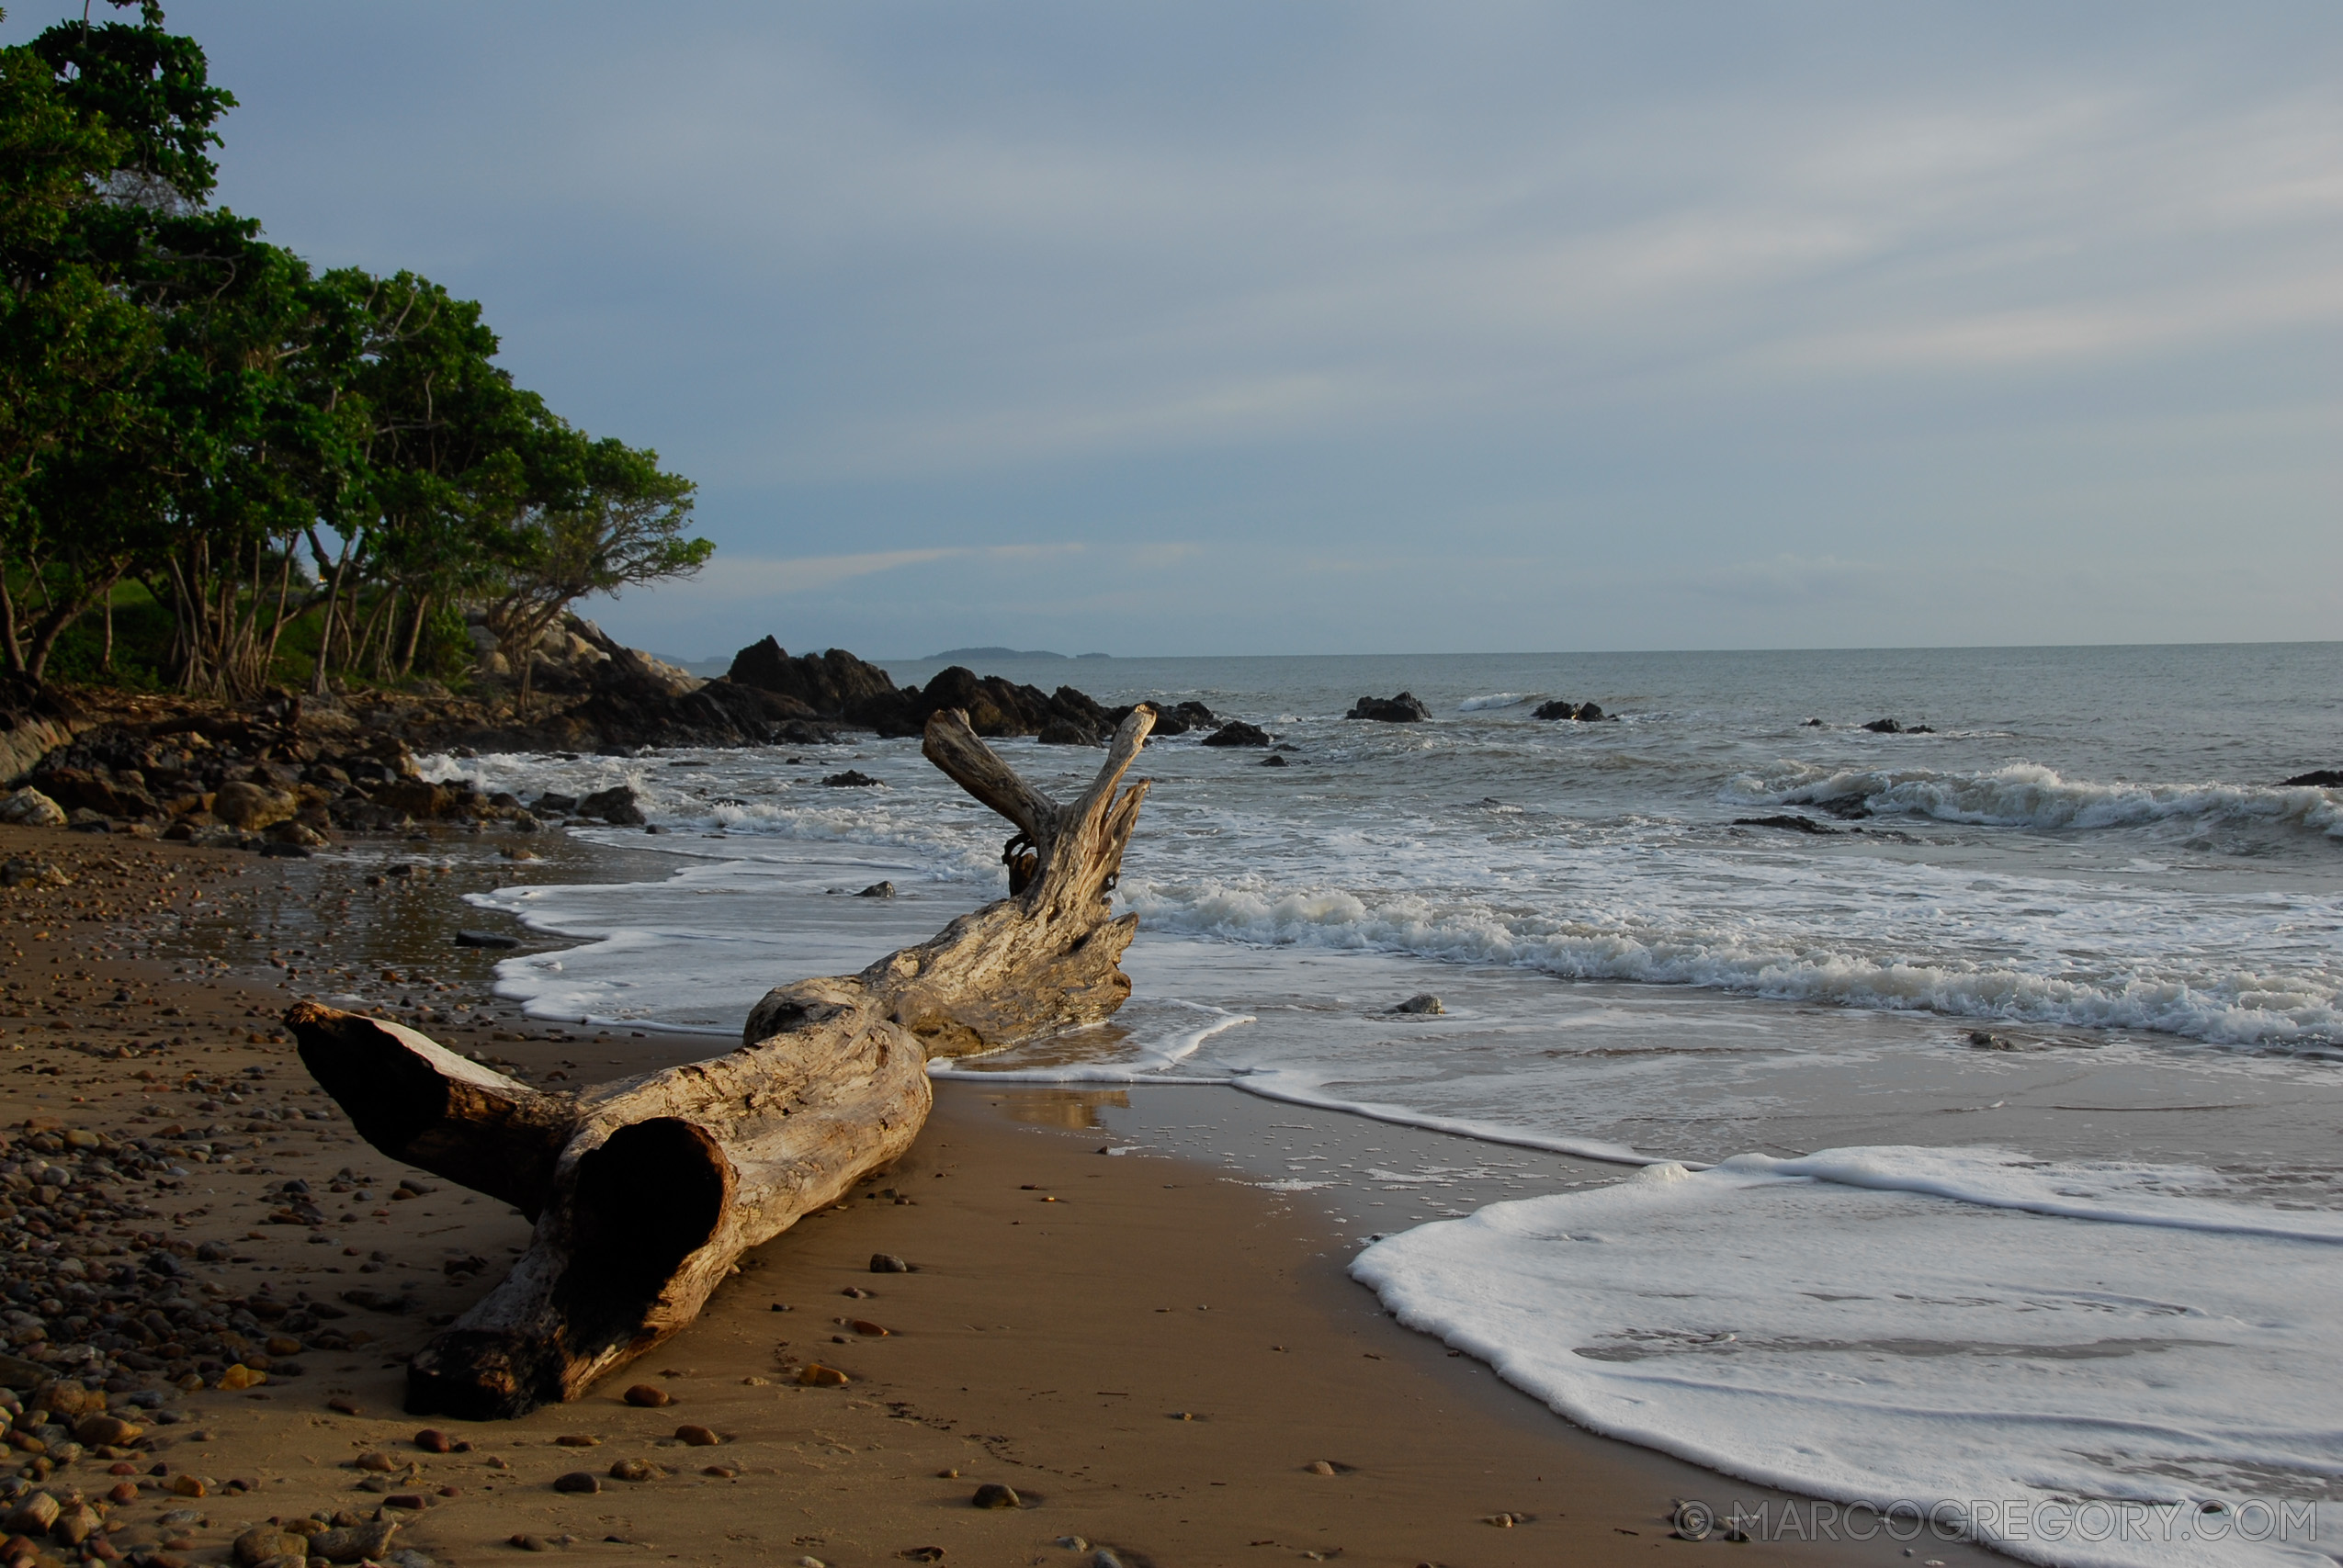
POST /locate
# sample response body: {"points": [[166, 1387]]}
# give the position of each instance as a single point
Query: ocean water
{"points": [[2090, 861]]}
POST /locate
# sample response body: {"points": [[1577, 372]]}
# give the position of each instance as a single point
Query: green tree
{"points": [[620, 525], [185, 404]]}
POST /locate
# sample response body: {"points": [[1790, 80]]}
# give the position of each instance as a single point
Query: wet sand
{"points": [[1162, 1356]]}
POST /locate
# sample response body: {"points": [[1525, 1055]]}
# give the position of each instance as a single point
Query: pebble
{"points": [[577, 1440], [815, 1375], [431, 1440], [648, 1397], [633, 1470], [525, 1542], [696, 1437], [992, 1495], [263, 1543], [887, 1263], [722, 1472], [1320, 1467], [577, 1481], [1073, 1543]]}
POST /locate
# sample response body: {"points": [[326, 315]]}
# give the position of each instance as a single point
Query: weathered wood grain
{"points": [[646, 1191]]}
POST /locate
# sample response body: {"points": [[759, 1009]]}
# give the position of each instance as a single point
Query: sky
{"points": [[1301, 327]]}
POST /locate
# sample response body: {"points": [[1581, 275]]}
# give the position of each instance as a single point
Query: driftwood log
{"points": [[645, 1191]]}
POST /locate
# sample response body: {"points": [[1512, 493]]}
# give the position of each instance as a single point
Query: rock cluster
{"points": [[1584, 712], [283, 785], [832, 682], [1402, 709], [283, 772]]}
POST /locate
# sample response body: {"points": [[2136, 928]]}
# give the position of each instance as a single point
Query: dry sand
{"points": [[1158, 1358]]}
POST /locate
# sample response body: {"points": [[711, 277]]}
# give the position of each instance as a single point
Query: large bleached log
{"points": [[644, 1192]]}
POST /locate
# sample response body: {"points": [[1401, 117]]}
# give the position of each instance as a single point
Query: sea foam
{"points": [[1965, 1332]]}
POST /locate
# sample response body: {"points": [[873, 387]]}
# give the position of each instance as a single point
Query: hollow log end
{"points": [[635, 1216], [418, 1101]]}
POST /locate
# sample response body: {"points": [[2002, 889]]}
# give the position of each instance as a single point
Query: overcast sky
{"points": [[1292, 327]]}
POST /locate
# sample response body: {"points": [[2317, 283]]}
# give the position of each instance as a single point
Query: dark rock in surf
{"points": [[827, 684], [1422, 1002], [1273, 760], [1064, 732], [877, 890], [1890, 727], [2322, 778], [1170, 718], [615, 806], [1584, 712], [995, 706], [1237, 732], [1783, 819], [1402, 709], [486, 939], [853, 778]]}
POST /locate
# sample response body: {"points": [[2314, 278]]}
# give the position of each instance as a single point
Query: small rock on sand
{"points": [[577, 1481], [1422, 1002], [992, 1495], [696, 1437], [1320, 1467], [887, 1263], [648, 1397]]}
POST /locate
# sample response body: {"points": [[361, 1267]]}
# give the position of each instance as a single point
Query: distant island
{"points": [[970, 655]]}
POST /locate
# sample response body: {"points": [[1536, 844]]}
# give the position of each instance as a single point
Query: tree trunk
{"points": [[10, 641], [645, 1191]]}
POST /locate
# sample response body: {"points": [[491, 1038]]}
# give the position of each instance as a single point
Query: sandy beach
{"points": [[1162, 1359]]}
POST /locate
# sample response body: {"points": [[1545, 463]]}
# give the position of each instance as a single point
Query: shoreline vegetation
{"points": [[223, 469]]}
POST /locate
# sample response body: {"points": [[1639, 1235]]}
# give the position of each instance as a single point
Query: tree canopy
{"points": [[296, 473]]}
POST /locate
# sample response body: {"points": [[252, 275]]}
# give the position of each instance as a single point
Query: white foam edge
{"points": [[1272, 1083]]}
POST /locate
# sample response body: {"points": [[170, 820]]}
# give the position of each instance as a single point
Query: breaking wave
{"points": [[2219, 1006], [2024, 794]]}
